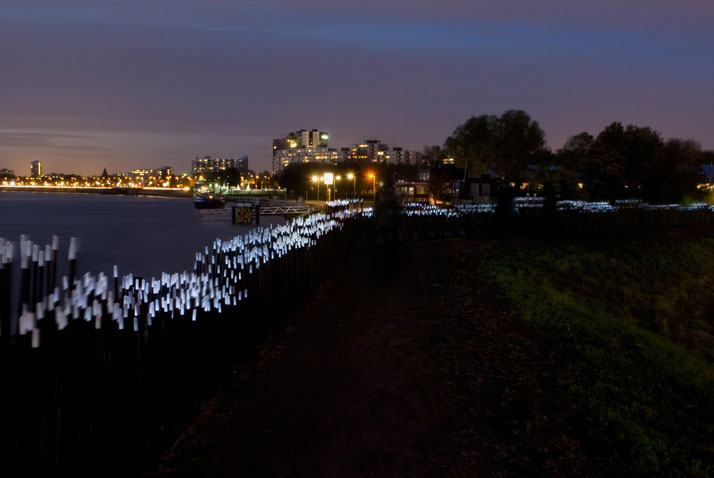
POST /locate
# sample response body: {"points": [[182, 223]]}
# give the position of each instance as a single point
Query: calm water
{"points": [[142, 235]]}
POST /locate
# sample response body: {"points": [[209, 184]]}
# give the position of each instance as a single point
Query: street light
{"points": [[352, 177], [374, 186], [315, 179], [337, 178], [329, 179]]}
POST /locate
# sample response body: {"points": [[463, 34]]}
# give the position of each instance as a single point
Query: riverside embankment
{"points": [[470, 358], [121, 364], [407, 362]]}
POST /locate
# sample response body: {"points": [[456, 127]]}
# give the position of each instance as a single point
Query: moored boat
{"points": [[209, 201]]}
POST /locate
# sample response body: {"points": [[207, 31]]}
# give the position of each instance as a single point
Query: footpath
{"points": [[406, 362]]}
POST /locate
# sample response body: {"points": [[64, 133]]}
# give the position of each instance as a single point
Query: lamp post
{"points": [[374, 186], [352, 177], [329, 180], [315, 179], [337, 178]]}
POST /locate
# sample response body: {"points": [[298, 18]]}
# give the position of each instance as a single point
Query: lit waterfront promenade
{"points": [[147, 191]]}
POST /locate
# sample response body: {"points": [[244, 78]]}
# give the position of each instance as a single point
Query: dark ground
{"points": [[406, 367]]}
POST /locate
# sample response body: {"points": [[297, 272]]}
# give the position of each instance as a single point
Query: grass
{"points": [[639, 311]]}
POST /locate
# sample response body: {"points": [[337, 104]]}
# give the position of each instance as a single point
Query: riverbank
{"points": [[161, 192], [407, 361], [468, 358]]}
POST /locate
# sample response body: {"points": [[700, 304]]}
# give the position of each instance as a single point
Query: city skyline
{"points": [[96, 86]]}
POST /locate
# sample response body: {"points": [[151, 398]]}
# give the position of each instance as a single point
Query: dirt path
{"points": [[403, 364]]}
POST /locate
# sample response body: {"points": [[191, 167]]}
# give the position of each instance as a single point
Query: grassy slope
{"points": [[639, 310]]}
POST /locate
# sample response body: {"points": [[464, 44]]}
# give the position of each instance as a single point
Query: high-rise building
{"points": [[151, 177], [403, 156], [208, 164], [302, 146], [311, 146], [36, 169], [374, 151]]}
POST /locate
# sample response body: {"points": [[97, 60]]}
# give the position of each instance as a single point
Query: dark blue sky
{"points": [[123, 84]]}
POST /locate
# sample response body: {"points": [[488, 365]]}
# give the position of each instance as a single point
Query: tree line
{"points": [[621, 162]]}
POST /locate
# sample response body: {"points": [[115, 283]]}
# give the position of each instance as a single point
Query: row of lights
{"points": [[331, 179]]}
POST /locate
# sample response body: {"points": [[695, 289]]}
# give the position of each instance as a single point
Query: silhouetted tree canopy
{"points": [[433, 155], [629, 162], [506, 145], [227, 177]]}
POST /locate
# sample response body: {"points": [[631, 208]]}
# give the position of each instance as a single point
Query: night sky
{"points": [[124, 84]]}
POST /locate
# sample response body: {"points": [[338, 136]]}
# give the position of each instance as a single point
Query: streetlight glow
{"points": [[329, 179], [352, 177], [315, 179]]}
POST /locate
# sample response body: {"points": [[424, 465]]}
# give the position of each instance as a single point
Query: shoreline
{"points": [[177, 193], [102, 191]]}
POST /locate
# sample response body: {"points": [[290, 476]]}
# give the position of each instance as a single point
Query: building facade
{"points": [[36, 169], [151, 177], [404, 156], [303, 146], [207, 164], [374, 151], [306, 146], [371, 150]]}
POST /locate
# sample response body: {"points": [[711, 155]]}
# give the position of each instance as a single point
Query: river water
{"points": [[142, 235]]}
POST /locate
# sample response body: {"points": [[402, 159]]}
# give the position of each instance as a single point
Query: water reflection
{"points": [[143, 235]]}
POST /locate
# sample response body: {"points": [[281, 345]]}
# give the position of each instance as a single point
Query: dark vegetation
{"points": [[621, 162], [505, 145], [639, 312]]}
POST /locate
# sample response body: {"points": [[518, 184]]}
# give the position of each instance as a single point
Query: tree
{"points": [[225, 178], [571, 162], [472, 143], [519, 143], [603, 173], [630, 162], [433, 155], [505, 145], [684, 160]]}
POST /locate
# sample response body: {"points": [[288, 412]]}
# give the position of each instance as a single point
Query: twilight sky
{"points": [[123, 84]]}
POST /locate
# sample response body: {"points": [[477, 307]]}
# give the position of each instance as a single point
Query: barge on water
{"points": [[209, 201]]}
